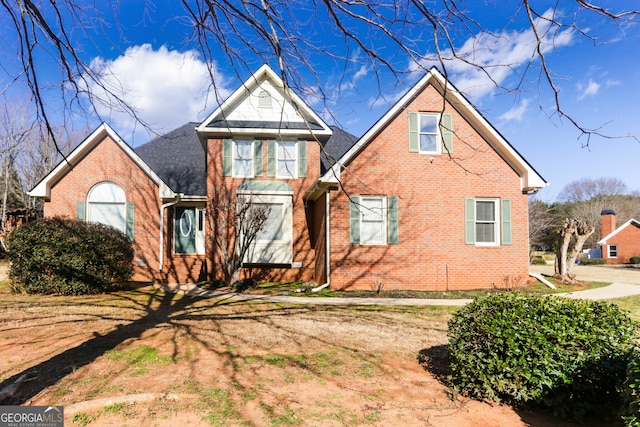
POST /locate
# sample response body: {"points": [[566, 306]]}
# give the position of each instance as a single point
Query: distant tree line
{"points": [[582, 200]]}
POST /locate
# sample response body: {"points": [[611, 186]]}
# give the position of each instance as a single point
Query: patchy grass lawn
{"points": [[147, 358]]}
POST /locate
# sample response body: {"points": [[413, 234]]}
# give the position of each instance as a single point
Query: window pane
{"points": [[243, 158], [485, 232], [428, 123], [485, 211], [108, 214], [287, 155], [272, 227], [372, 227], [428, 143]]}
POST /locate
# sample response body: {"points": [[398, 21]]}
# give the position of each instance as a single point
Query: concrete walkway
{"points": [[615, 290]]}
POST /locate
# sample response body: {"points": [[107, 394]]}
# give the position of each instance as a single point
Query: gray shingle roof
{"points": [[338, 144], [179, 160]]}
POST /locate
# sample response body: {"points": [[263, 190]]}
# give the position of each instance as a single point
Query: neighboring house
{"points": [[431, 197], [618, 244]]}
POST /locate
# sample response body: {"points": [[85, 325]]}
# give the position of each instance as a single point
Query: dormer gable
{"points": [[263, 105]]}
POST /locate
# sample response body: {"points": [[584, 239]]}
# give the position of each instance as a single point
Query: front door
{"points": [[184, 230]]}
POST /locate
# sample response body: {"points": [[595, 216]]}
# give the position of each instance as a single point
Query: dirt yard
{"points": [[143, 358]]}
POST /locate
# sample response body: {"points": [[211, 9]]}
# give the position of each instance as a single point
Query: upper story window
{"points": [[243, 159], [429, 136], [287, 159], [107, 204], [430, 133]]}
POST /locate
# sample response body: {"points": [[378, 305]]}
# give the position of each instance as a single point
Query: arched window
{"points": [[107, 204]]}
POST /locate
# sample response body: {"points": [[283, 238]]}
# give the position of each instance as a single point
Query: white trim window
{"points": [[107, 204], [429, 134], [273, 242], [612, 251], [487, 222], [373, 221], [243, 159], [287, 159]]}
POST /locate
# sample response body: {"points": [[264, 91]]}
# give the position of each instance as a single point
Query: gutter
{"points": [[176, 200]]}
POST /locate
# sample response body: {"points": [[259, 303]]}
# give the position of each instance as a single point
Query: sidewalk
{"points": [[615, 290]]}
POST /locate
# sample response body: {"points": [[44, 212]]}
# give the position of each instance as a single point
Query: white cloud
{"points": [[486, 60], [516, 113], [166, 88], [590, 89]]}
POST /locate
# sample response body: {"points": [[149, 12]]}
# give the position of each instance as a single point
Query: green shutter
{"points": [[302, 158], [227, 158], [257, 157], [414, 132], [447, 134], [354, 216], [392, 220], [130, 224], [80, 211], [506, 222], [271, 157], [470, 221]]}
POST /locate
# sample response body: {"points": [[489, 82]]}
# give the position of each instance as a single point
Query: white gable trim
{"points": [[603, 241], [43, 188], [265, 73], [530, 179]]}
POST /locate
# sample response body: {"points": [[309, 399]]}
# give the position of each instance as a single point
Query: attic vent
{"points": [[264, 99]]}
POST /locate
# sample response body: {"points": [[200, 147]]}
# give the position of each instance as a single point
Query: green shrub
{"points": [[566, 355], [593, 261], [635, 260], [631, 392], [538, 261], [68, 257]]}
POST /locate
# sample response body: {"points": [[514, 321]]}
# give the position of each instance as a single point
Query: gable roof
{"points": [[241, 113], [529, 177], [43, 188], [178, 159], [632, 221]]}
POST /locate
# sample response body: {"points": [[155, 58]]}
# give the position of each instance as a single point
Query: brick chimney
{"points": [[607, 222]]}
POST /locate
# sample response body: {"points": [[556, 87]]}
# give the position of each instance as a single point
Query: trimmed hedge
{"points": [[634, 260], [593, 261], [569, 356], [631, 393], [68, 257]]}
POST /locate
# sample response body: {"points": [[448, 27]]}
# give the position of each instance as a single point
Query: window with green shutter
{"points": [[487, 221], [373, 220], [430, 133]]}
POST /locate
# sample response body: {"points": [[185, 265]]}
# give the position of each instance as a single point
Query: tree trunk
{"points": [[582, 232], [565, 258]]}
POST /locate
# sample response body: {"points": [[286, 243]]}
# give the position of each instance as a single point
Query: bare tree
{"points": [[585, 199], [237, 223], [543, 223], [394, 38], [571, 238]]}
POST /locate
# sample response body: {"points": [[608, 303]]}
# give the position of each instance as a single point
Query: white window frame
{"points": [[117, 200], [612, 249], [280, 151], [496, 221], [367, 216], [266, 251], [437, 133], [235, 157]]}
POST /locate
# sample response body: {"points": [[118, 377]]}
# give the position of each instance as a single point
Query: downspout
{"points": [[162, 208]]}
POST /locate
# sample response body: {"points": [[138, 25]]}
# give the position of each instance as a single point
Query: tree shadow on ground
{"points": [[50, 371]]}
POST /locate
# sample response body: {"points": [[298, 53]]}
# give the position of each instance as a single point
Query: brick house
{"points": [[618, 244], [431, 197]]}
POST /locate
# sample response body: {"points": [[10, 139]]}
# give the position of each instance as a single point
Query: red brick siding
{"points": [[628, 241], [431, 253], [108, 162], [223, 187]]}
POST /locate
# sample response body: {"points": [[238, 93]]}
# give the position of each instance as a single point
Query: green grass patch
{"points": [[140, 358], [222, 408]]}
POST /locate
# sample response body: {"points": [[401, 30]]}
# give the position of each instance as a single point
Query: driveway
{"points": [[598, 273]]}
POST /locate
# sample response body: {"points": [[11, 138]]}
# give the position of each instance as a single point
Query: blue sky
{"points": [[159, 71]]}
